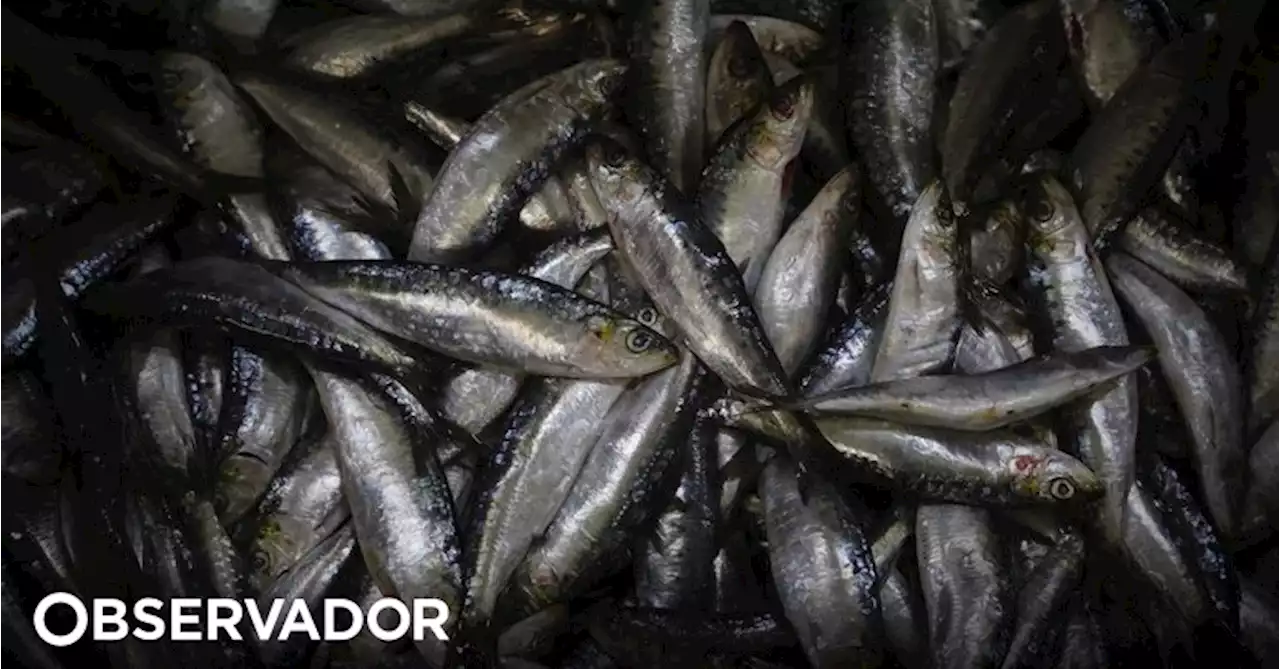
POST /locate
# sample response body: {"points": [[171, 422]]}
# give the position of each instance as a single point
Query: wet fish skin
{"points": [[302, 505], [1002, 84], [548, 209], [265, 409], [674, 563], [401, 506], [965, 583], [505, 321], [215, 125], [357, 46], [507, 154], [245, 298], [1197, 363], [1114, 164], [962, 24], [243, 23], [548, 436], [799, 280], [1195, 536], [100, 114], [533, 636], [795, 42], [1081, 644], [476, 397], [113, 234], [1043, 598], [648, 634], [738, 79], [34, 546], [667, 84], [341, 138], [846, 358], [611, 497], [686, 271], [310, 581], [161, 420], [1151, 551], [741, 193], [906, 630], [1073, 293], [992, 468], [989, 400], [1110, 40], [995, 248], [891, 66], [923, 318], [823, 568], [1159, 239], [321, 216], [1025, 152]]}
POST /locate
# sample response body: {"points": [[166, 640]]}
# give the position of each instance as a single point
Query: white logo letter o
{"points": [[61, 640]]}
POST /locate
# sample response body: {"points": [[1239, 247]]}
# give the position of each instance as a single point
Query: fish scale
{"points": [[705, 333]]}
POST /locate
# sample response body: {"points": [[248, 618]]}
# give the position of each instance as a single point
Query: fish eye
{"points": [[1061, 488], [782, 109], [638, 341], [648, 316], [738, 66], [614, 155], [605, 86], [1040, 209], [261, 561]]}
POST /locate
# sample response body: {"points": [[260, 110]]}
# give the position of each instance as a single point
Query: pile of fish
{"points": [[659, 333]]}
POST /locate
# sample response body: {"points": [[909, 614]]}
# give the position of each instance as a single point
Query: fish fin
{"points": [[407, 204]]}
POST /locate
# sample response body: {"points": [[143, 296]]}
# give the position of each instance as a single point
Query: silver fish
{"points": [[994, 468], [400, 503], [685, 270], [989, 400], [505, 321], [668, 84], [611, 495], [506, 155], [1199, 367], [824, 570], [924, 306], [799, 281], [1078, 301]]}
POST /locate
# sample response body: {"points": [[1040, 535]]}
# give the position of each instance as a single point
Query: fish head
{"points": [[272, 552], [738, 68], [597, 82], [1051, 214], [995, 245], [776, 131], [932, 223], [241, 479], [1052, 477], [182, 75], [619, 177], [624, 344]]}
